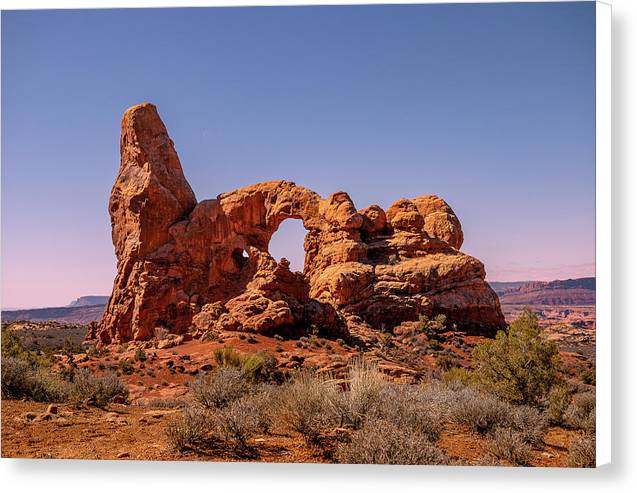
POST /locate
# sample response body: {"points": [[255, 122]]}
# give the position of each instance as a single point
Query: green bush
{"points": [[22, 380], [559, 400], [519, 366], [12, 347], [432, 326], [228, 356], [457, 375], [140, 355], [588, 376], [257, 367]]}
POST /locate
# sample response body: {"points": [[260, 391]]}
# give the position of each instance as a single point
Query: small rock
{"points": [[123, 455], [30, 416], [52, 409]]}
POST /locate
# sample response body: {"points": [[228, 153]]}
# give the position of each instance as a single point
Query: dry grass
{"points": [[582, 452], [308, 405], [581, 413], [217, 390], [190, 430], [383, 442], [510, 445]]}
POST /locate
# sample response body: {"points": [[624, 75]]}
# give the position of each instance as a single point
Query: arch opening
{"points": [[240, 258], [287, 242]]}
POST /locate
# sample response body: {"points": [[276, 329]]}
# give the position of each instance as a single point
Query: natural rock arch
{"points": [[181, 264]]}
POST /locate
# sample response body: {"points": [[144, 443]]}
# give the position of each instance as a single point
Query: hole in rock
{"points": [[287, 241], [240, 257]]}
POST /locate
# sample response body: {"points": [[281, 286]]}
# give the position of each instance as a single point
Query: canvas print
{"points": [[333, 234]]}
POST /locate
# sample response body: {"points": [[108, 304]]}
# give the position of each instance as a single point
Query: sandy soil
{"points": [[137, 433]]}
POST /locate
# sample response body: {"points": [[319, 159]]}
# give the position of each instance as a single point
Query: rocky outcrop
{"points": [[184, 265]]}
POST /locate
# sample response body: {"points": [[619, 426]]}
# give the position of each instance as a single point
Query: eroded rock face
{"points": [[184, 265]]}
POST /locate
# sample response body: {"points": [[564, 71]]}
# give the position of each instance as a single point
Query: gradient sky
{"points": [[489, 106]]}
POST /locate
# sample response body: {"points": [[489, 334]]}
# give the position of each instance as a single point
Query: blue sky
{"points": [[489, 106]]}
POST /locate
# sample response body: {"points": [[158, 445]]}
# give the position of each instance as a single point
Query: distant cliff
{"points": [[81, 311], [559, 292], [89, 301]]}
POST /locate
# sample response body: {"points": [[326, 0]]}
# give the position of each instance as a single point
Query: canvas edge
{"points": [[603, 14]]}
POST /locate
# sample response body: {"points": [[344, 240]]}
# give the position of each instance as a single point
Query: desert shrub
{"points": [[432, 326], [479, 411], [383, 442], [190, 430], [582, 452], [218, 389], [265, 402], [22, 380], [509, 445], [257, 367], [227, 356], [529, 423], [159, 403], [559, 400], [519, 365], [447, 362], [88, 388], [366, 385], [307, 405], [140, 354], [581, 413], [411, 408], [588, 376], [239, 421], [125, 366], [457, 376], [13, 347]]}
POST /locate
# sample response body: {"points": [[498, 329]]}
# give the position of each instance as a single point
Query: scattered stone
{"points": [[123, 455]]}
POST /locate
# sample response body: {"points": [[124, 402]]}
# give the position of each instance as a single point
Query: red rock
{"points": [[183, 263]]}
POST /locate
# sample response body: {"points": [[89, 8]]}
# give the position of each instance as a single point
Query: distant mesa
{"points": [[83, 310], [559, 292], [89, 301], [189, 266]]}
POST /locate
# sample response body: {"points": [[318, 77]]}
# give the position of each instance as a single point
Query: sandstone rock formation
{"points": [[187, 266]]}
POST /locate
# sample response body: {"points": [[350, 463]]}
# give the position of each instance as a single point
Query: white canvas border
{"points": [[603, 263], [602, 197]]}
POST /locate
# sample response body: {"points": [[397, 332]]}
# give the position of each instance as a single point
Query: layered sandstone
{"points": [[188, 266]]}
